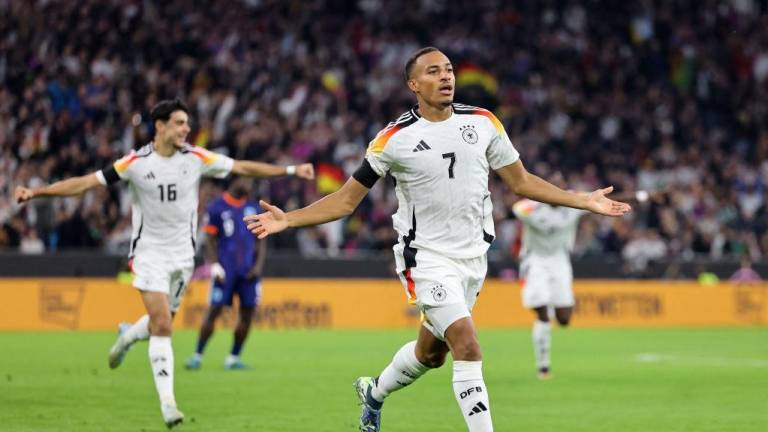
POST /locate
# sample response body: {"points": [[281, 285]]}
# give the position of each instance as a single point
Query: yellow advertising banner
{"points": [[98, 304]]}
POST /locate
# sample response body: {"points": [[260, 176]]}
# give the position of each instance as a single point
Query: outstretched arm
{"points": [[531, 186], [68, 187], [332, 207], [261, 169]]}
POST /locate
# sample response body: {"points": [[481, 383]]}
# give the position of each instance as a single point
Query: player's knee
{"points": [[160, 325], [542, 314], [245, 315], [563, 316], [468, 350], [213, 313], [433, 360]]}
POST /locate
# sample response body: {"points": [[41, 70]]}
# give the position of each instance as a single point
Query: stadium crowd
{"points": [[668, 97]]}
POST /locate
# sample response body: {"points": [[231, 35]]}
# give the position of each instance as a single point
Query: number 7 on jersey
{"points": [[452, 157]]}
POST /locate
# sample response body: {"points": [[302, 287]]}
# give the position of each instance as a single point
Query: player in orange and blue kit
{"points": [[237, 262]]}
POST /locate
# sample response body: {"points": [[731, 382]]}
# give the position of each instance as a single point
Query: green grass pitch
{"points": [[604, 380]]}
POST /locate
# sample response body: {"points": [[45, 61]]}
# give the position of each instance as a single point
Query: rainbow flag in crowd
{"points": [[329, 177]]}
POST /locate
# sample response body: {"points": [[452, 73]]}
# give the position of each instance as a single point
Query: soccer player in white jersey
{"points": [[548, 235], [164, 177], [440, 155]]}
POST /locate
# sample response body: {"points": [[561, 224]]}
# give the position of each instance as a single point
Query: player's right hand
{"points": [[218, 272], [272, 221], [22, 194], [305, 171]]}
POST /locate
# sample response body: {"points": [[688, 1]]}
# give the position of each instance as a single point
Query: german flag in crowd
{"points": [[329, 178], [469, 74]]}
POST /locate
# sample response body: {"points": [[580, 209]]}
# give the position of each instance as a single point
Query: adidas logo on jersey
{"points": [[421, 147], [150, 176], [478, 408]]}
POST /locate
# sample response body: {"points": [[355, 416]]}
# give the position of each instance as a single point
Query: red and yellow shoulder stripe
{"points": [[525, 207], [382, 138], [208, 157], [124, 162], [468, 109]]}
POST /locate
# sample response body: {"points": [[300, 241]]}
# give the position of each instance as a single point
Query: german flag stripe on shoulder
{"points": [[380, 141], [469, 109], [525, 207], [207, 156], [122, 164]]}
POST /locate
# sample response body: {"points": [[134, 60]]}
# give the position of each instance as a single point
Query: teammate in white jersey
{"points": [[440, 155], [164, 177], [545, 268]]}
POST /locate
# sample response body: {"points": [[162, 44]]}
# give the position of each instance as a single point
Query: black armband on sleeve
{"points": [[366, 175], [110, 174]]}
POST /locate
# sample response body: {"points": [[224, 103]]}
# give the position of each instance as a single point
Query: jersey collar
{"points": [[234, 202], [415, 113]]}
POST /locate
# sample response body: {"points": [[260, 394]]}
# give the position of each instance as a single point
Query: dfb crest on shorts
{"points": [[438, 292], [469, 134]]}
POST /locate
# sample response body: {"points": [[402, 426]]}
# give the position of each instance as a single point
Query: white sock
{"points": [[404, 370], [138, 331], [472, 395], [542, 340], [231, 359], [161, 360]]}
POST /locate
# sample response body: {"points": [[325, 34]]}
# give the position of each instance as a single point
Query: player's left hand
{"points": [[597, 202], [272, 221], [252, 274], [305, 171], [22, 194]]}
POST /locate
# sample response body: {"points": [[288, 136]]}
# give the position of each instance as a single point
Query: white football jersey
{"points": [[547, 230], [441, 173], [165, 196]]}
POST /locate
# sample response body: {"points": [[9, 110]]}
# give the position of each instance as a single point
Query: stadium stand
{"points": [[660, 96]]}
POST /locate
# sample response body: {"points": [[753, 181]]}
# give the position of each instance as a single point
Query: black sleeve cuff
{"points": [[366, 175], [110, 174]]}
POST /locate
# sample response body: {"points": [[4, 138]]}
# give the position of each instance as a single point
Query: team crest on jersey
{"points": [[438, 292], [469, 134]]}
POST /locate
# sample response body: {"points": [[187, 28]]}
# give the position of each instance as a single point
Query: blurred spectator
{"points": [[644, 248], [745, 274], [31, 243]]}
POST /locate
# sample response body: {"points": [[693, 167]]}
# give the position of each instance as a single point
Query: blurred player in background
{"points": [[549, 232], [164, 177], [237, 260], [440, 155]]}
